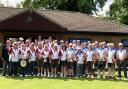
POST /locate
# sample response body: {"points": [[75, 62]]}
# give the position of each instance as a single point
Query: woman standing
{"points": [[39, 53], [54, 59], [63, 58], [46, 61], [89, 60], [70, 60], [111, 61], [24, 56], [32, 56]]}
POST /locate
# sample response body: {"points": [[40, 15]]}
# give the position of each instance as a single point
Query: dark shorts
{"points": [[96, 64], [71, 65], [89, 64], [111, 65], [54, 63], [40, 63], [63, 63], [101, 64], [46, 65]]}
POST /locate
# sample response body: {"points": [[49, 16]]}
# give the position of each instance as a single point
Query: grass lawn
{"points": [[60, 83]]}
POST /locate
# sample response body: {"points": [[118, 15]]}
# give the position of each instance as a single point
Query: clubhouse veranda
{"points": [[66, 25]]}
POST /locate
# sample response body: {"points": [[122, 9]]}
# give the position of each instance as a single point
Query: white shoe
{"points": [[98, 77], [119, 78], [61, 75], [21, 75], [13, 75], [83, 74], [55, 76], [77, 77], [126, 79], [34, 75], [48, 75], [88, 76], [51, 75], [104, 77], [64, 76], [26, 75], [38, 74], [42, 75], [92, 76]]}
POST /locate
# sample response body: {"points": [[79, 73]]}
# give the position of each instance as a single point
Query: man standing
{"points": [[5, 58], [121, 61], [80, 62]]}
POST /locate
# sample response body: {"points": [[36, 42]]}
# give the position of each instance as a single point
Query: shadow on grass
{"points": [[65, 79]]}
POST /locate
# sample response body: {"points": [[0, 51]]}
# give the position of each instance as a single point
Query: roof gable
{"points": [[29, 20]]}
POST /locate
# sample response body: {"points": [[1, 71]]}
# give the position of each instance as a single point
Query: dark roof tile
{"points": [[72, 21]]}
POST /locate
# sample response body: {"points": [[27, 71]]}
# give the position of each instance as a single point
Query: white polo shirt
{"points": [[32, 55], [121, 53], [70, 53], [90, 55], [101, 52], [80, 58], [55, 54], [24, 53], [15, 55], [64, 55], [46, 55], [110, 55]]}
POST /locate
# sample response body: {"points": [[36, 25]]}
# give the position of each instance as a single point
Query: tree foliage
{"points": [[119, 11], [85, 6]]}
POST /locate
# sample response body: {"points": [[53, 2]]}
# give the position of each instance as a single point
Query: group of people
{"points": [[53, 58]]}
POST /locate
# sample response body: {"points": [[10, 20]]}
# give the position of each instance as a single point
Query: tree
{"points": [[1, 4], [85, 6], [119, 11]]}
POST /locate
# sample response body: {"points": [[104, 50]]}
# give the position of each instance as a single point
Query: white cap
{"points": [[61, 41], [96, 42], [88, 41], [78, 40], [120, 44], [74, 41], [21, 38], [10, 39], [27, 40]]}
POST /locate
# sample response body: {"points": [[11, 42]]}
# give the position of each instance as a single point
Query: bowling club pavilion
{"points": [[66, 25]]}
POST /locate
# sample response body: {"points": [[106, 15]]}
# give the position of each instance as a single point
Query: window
{"points": [[125, 42], [81, 39]]}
